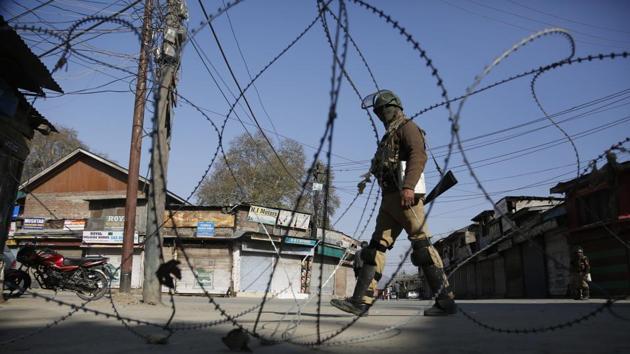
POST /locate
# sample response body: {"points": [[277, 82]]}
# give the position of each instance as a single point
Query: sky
{"points": [[514, 150]]}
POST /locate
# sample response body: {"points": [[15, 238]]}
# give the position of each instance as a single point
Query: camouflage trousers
{"points": [[579, 285]]}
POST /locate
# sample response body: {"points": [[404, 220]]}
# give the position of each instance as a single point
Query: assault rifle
{"points": [[447, 181]]}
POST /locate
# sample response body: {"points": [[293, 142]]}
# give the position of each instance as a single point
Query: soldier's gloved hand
{"points": [[363, 183], [407, 197], [361, 186]]}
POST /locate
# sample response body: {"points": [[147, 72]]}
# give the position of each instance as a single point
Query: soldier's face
{"points": [[386, 114]]}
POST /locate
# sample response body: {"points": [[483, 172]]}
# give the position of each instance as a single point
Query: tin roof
{"points": [[19, 66]]}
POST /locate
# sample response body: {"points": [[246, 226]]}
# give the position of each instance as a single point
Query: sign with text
{"points": [[190, 218], [205, 229], [110, 237], [114, 222], [295, 220], [262, 215], [74, 224], [108, 223], [205, 277], [33, 224], [300, 241]]}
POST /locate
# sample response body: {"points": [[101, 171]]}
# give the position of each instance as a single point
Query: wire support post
{"points": [[135, 152], [168, 61]]}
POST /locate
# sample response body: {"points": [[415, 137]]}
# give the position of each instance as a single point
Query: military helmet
{"points": [[579, 250], [380, 99]]}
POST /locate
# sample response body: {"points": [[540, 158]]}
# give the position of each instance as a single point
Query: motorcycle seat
{"points": [[81, 261]]}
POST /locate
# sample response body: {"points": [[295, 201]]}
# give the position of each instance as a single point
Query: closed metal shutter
{"points": [[471, 289], [329, 267], [114, 255], [255, 271], [513, 272], [499, 277], [211, 268], [458, 282], [288, 270], [340, 281], [534, 269], [557, 250], [487, 278], [350, 282]]}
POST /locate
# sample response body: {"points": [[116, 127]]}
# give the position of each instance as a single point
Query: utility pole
{"points": [[168, 62], [317, 186], [134, 153]]}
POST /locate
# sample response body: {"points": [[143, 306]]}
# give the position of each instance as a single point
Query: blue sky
{"points": [[460, 37]]}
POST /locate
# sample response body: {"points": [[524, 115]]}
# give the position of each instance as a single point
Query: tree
{"points": [[253, 174], [47, 149]]}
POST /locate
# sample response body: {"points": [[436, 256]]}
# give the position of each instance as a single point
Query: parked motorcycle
{"points": [[86, 276]]}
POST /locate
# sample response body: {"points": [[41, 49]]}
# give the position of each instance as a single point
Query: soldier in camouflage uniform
{"points": [[398, 166], [580, 269]]}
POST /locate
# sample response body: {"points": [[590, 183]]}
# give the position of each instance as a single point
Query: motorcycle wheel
{"points": [[16, 282], [102, 284]]}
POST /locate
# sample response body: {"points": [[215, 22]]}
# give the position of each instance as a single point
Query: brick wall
{"points": [[59, 205]]}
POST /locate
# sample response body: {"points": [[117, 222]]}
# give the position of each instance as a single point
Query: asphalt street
{"points": [[395, 326]]}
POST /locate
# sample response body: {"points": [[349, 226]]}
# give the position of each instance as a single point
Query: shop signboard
{"points": [[74, 224], [104, 236], [262, 215], [33, 224], [300, 241], [190, 218], [108, 223], [205, 277], [114, 222], [294, 220], [205, 229]]}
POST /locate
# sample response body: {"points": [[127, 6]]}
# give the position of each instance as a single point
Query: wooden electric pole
{"points": [[168, 62], [317, 186], [135, 151]]}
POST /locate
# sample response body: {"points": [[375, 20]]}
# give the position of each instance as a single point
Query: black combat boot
{"points": [[355, 304], [444, 303], [443, 306]]}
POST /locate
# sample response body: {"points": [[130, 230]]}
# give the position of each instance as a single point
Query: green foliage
{"points": [[47, 149], [258, 177]]}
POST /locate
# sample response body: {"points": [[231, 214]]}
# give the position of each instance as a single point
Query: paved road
{"points": [[87, 333]]}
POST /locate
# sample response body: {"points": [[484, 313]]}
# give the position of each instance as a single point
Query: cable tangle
{"points": [[338, 39]]}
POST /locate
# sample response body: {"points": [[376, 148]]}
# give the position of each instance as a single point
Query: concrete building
{"points": [[21, 72], [598, 213], [517, 266], [76, 206]]}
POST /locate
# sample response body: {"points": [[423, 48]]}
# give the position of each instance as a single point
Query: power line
{"points": [[568, 19], [227, 63], [544, 23], [527, 29], [29, 11], [587, 104], [91, 28], [240, 51]]}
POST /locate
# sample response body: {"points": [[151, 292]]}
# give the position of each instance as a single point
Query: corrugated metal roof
{"points": [[20, 67]]}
